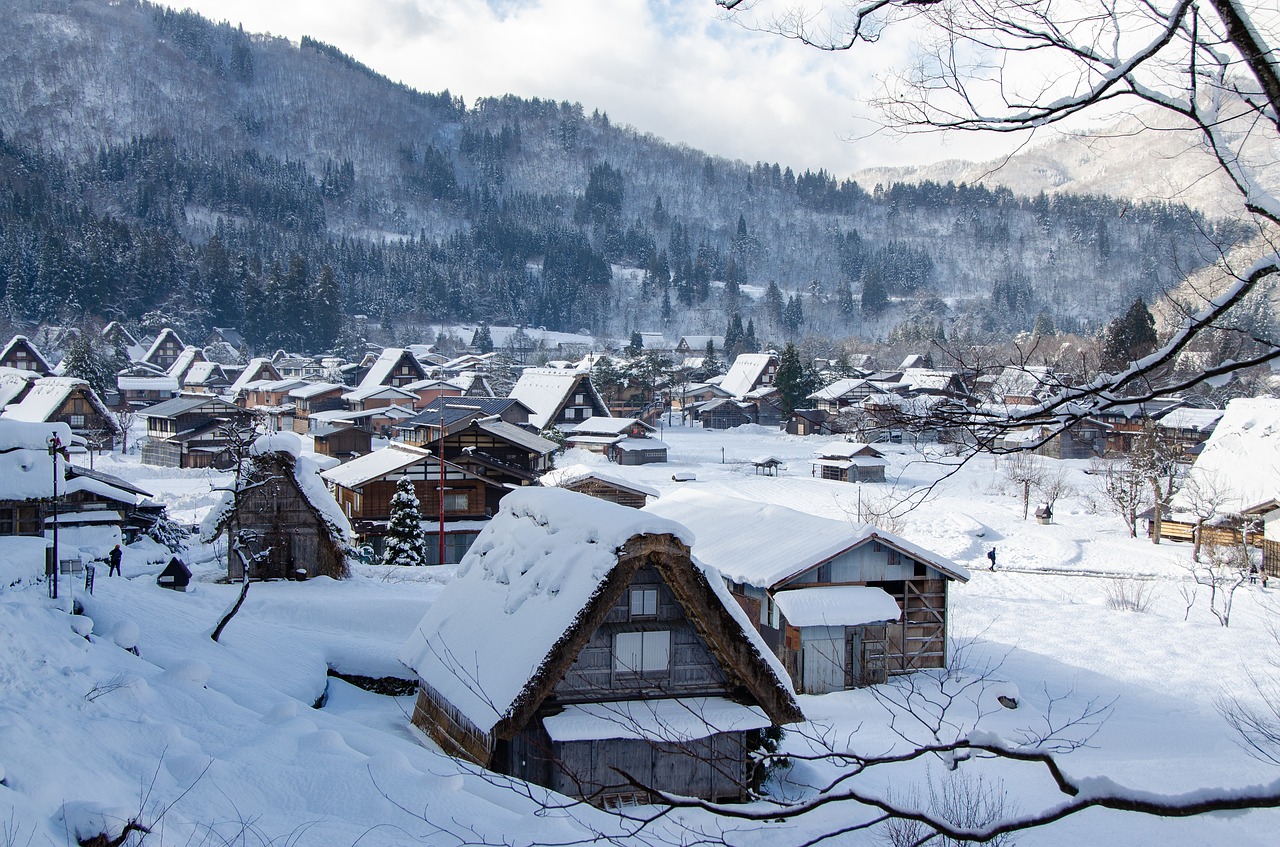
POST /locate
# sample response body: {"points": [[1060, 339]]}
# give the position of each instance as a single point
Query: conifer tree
{"points": [[404, 542], [790, 380]]}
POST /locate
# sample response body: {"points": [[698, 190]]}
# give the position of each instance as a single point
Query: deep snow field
{"points": [[224, 743]]}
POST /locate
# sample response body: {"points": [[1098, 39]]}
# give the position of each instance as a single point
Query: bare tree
{"points": [[1224, 569], [1055, 485], [1016, 66], [1154, 456], [1024, 471], [1125, 488], [125, 417], [1204, 495]]}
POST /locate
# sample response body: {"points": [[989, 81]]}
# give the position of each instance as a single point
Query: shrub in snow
{"points": [[404, 539], [97, 824], [125, 635], [168, 532]]}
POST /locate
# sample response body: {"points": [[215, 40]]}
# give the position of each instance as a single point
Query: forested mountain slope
{"points": [[158, 167]]}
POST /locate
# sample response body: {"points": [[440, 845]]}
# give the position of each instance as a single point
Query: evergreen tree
{"points": [[635, 345], [483, 339], [710, 361], [875, 298], [733, 337], [326, 312], [773, 302], [1044, 325], [84, 361], [749, 342], [1130, 337], [404, 541], [790, 380]]}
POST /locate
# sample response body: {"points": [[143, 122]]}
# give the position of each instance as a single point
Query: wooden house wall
{"points": [[692, 669], [456, 735], [640, 457], [713, 768], [290, 527], [22, 517], [372, 502], [344, 442], [605, 491]]}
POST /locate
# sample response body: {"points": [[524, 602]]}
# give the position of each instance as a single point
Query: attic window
{"points": [[642, 652], [644, 603]]}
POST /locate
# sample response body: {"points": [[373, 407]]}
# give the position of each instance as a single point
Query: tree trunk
{"points": [[1159, 505]]}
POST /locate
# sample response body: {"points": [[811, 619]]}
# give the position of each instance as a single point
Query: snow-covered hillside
{"points": [[249, 741]]}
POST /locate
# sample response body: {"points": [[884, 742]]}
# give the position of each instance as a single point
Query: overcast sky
{"points": [[668, 67]]}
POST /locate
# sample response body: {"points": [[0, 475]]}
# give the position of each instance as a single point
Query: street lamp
{"points": [[55, 447]]}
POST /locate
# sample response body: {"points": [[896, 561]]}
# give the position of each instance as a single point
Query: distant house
{"points": [[394, 366], [226, 335], [22, 355], [636, 659], [748, 372], [849, 462], [627, 441], [1087, 439], [70, 401], [191, 431], [379, 396], [258, 370], [455, 413], [142, 385], [846, 393], [342, 441], [696, 345], [205, 378], [597, 483], [284, 524], [722, 413], [183, 364], [555, 396], [314, 397], [164, 351], [28, 474], [364, 486], [841, 606]]}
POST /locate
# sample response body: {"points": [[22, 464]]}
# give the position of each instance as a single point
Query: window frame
{"points": [[651, 647]]}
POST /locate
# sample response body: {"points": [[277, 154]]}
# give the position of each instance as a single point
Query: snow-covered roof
{"points": [[761, 544], [147, 383], [699, 342], [1187, 417], [603, 425], [314, 389], [165, 335], [26, 471], [380, 370], [847, 450], [185, 360], [375, 465], [13, 382], [544, 391], [567, 476], [203, 372], [841, 387], [629, 444], [1242, 456], [253, 372], [22, 340], [378, 391], [306, 474], [47, 396], [746, 370], [518, 591], [837, 605], [669, 720]]}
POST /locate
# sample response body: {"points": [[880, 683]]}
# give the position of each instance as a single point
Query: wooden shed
{"points": [[283, 522], [579, 639], [176, 576], [841, 606], [596, 483]]}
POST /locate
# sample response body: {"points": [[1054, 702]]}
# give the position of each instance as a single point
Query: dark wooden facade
{"points": [[285, 534], [605, 490], [707, 656], [191, 432]]}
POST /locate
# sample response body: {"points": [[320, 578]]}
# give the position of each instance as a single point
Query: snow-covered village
{"points": [[557, 423]]}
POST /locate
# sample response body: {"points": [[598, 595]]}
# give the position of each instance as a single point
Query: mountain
{"points": [[1143, 157], [159, 168]]}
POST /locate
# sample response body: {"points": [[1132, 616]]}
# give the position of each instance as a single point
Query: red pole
{"points": [[440, 474]]}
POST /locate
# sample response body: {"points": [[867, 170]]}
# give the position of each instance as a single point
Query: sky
{"points": [[673, 68]]}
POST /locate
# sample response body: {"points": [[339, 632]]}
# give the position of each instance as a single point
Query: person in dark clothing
{"points": [[991, 554], [113, 559]]}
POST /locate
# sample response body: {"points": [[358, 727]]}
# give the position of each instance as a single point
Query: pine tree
{"points": [[1129, 338], [749, 342], [326, 312], [483, 339], [404, 541], [790, 380], [85, 362], [710, 362], [733, 337]]}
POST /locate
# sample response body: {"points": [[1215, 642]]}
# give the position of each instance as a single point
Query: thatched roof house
{"points": [[579, 638], [284, 522]]}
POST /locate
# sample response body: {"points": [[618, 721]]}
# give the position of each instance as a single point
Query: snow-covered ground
{"points": [[249, 741]]}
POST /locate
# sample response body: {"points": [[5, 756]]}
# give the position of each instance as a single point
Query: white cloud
{"points": [[668, 67]]}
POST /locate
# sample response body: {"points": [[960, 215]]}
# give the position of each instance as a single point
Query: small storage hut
{"points": [[579, 639]]}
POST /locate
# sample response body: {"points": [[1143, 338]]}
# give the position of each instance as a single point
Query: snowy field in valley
{"points": [[251, 741]]}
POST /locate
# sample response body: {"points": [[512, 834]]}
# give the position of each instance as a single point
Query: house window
{"points": [[642, 652], [76, 421], [644, 602], [456, 502], [6, 522], [579, 399]]}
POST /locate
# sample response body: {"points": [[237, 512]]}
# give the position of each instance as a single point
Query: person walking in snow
{"points": [[113, 559], [991, 554]]}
